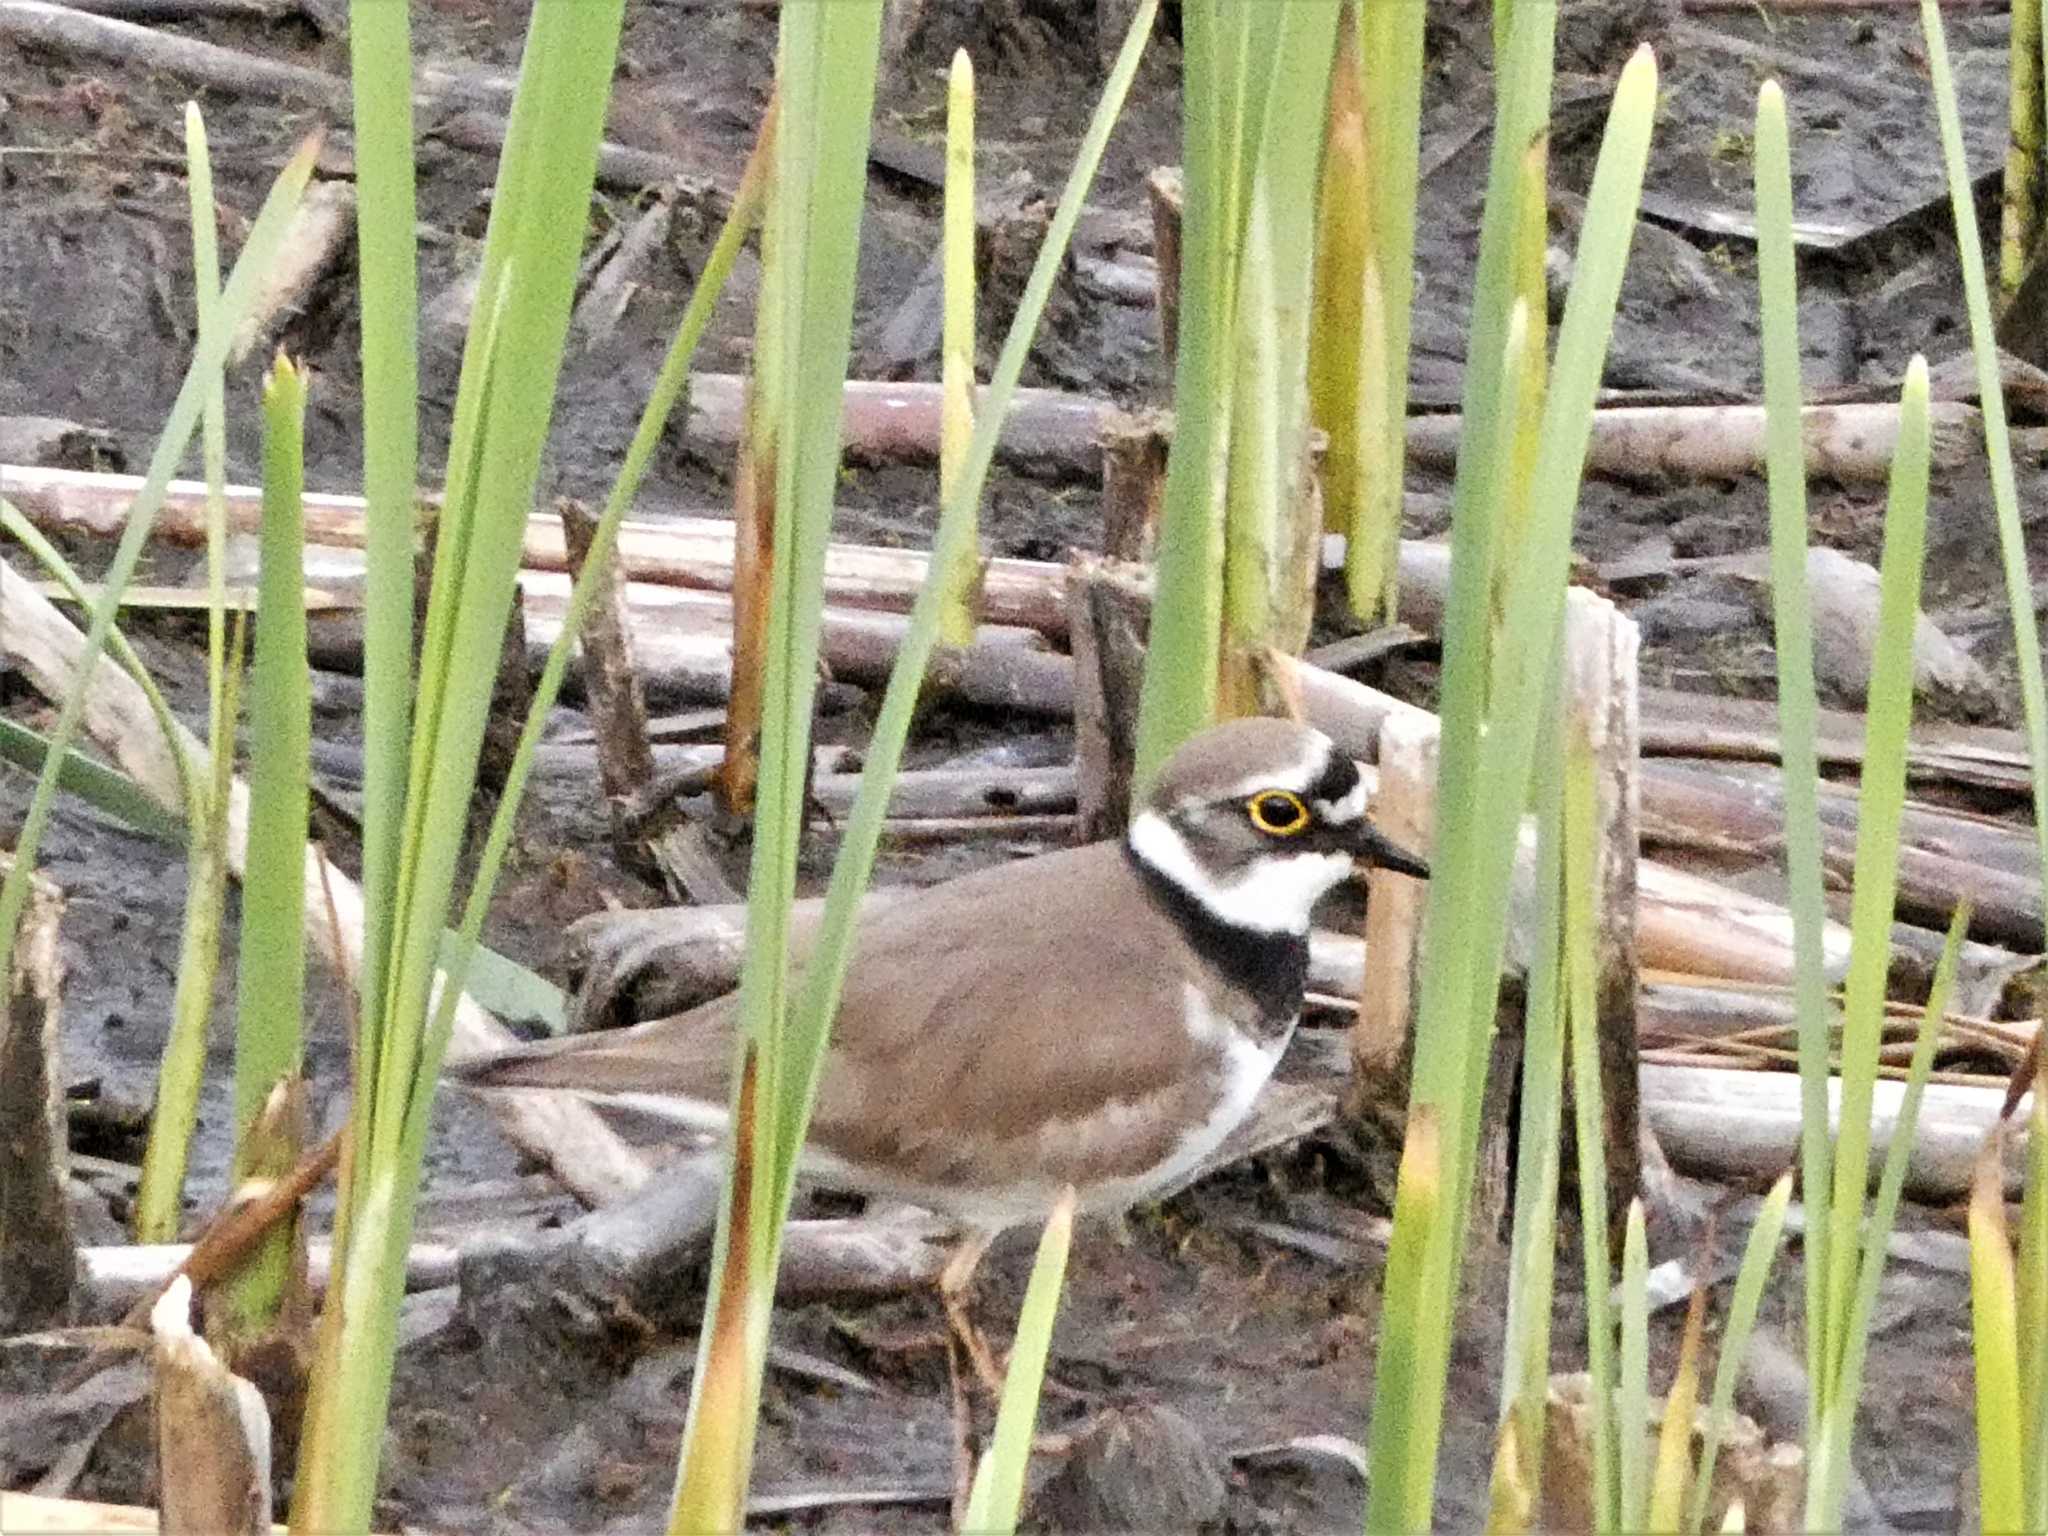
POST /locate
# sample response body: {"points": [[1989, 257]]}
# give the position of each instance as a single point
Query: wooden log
{"points": [[1404, 808], [683, 645], [1111, 613], [1600, 649], [1739, 1126], [688, 551], [1678, 724], [1133, 484], [212, 1432], [72, 34], [1850, 443], [36, 1238], [1943, 854], [565, 1135]]}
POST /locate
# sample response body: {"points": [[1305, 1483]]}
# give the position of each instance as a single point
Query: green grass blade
{"points": [[2020, 191], [380, 61], [1178, 694], [1465, 923], [265, 236], [1880, 805], [462, 954], [1582, 1031], [539, 212], [1532, 1260], [1997, 438], [825, 73], [212, 434], [2033, 1308], [270, 981], [101, 787], [1391, 46], [1675, 1435], [272, 972], [956, 421], [1633, 1408], [1757, 1257], [999, 1482], [2001, 1497], [158, 1206], [1798, 710], [1828, 1444]]}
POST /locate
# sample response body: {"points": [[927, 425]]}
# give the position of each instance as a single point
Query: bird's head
{"points": [[1257, 820]]}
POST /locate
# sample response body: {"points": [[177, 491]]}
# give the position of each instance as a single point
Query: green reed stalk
{"points": [[1487, 756], [503, 405], [1798, 709], [270, 978]]}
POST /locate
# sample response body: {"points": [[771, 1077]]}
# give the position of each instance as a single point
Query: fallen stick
{"points": [[567, 1136], [1677, 724], [1943, 855], [73, 33], [611, 682], [188, 10], [1850, 443], [685, 551], [1737, 1126]]}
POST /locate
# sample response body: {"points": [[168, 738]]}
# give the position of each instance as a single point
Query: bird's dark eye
{"points": [[1278, 811]]}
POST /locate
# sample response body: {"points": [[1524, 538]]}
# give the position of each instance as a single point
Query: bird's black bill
{"points": [[1375, 851]]}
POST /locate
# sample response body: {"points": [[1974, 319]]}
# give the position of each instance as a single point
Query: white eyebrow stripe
{"points": [[1350, 808], [1300, 779]]}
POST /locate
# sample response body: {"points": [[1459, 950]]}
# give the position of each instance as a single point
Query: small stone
{"points": [[1135, 1469]]}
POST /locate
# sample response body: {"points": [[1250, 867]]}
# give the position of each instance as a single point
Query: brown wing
{"points": [[953, 1030]]}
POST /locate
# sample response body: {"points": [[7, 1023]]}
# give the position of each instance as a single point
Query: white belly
{"points": [[1248, 1067]]}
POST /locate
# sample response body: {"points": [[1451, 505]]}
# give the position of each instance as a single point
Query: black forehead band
{"points": [[1339, 777]]}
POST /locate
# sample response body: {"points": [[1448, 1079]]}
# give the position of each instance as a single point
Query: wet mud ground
{"points": [[1246, 1305]]}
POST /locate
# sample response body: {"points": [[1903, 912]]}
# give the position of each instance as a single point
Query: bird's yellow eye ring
{"points": [[1278, 811]]}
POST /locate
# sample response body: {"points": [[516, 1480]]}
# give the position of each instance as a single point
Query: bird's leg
{"points": [[956, 1282], [965, 1458]]}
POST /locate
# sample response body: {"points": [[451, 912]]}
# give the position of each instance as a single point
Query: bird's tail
{"points": [[677, 1074]]}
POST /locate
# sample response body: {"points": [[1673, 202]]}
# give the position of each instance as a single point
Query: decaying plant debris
{"points": [[1268, 1260]]}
